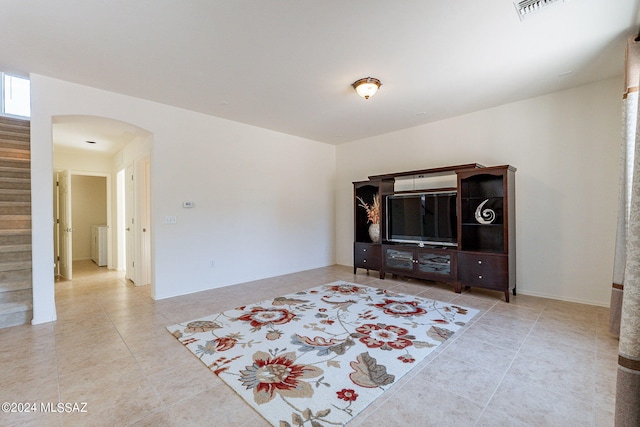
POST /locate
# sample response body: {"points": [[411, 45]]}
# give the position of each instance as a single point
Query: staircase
{"points": [[16, 297]]}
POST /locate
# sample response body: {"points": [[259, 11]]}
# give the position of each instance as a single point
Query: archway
{"points": [[97, 146]]}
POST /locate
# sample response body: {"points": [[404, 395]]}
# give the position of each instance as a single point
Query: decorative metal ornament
{"points": [[486, 216]]}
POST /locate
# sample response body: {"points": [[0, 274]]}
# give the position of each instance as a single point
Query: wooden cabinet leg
{"points": [[458, 287], [506, 295]]}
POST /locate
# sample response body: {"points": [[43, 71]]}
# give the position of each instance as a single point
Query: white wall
{"points": [[82, 162], [264, 201], [566, 148]]}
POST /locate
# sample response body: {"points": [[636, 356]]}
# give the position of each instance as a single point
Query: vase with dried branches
{"points": [[373, 216]]}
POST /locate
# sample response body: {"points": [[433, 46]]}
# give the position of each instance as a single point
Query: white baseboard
{"points": [[579, 301]]}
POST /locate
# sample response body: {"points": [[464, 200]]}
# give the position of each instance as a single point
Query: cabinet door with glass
{"points": [[436, 264], [424, 263]]}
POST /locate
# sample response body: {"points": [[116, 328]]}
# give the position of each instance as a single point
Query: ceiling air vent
{"points": [[527, 8]]}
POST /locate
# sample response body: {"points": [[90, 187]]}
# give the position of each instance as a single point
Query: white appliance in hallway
{"points": [[99, 244]]}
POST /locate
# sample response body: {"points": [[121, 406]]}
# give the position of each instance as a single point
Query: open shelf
{"points": [[483, 219]]}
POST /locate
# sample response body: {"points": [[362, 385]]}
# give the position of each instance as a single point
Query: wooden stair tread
{"points": [[5, 203], [15, 217], [14, 179], [14, 232], [15, 248], [14, 168], [21, 296], [17, 265], [14, 150], [12, 143], [13, 121], [15, 285], [16, 275], [14, 307], [16, 136], [14, 191], [15, 159], [18, 129]]}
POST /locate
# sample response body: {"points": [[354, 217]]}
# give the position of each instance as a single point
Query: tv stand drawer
{"points": [[366, 255], [483, 270]]}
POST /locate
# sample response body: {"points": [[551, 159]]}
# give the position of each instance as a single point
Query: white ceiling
{"points": [[107, 137], [287, 65]]}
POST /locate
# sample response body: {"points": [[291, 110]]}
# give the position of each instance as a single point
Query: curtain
{"points": [[624, 320], [629, 126]]}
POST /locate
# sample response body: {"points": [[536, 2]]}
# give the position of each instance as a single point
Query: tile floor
{"points": [[532, 362]]}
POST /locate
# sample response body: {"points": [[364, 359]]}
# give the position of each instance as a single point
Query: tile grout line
{"points": [[595, 372], [55, 345], [144, 374], [428, 360], [508, 368], [538, 322]]}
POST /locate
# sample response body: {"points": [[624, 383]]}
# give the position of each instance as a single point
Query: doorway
{"points": [[90, 150], [82, 220]]}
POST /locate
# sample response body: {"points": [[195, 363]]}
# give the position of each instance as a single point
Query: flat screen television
{"points": [[423, 218]]}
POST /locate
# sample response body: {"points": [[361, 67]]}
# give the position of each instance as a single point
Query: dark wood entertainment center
{"points": [[483, 254]]}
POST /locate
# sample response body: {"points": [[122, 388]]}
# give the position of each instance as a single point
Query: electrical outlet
{"points": [[170, 220]]}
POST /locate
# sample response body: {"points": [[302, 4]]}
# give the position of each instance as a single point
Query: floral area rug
{"points": [[320, 356]]}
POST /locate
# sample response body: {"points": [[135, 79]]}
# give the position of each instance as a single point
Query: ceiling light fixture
{"points": [[366, 87]]}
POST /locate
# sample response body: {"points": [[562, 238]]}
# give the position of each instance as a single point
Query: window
{"points": [[16, 94]]}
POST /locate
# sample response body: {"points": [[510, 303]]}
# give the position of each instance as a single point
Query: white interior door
{"points": [[66, 226], [144, 260], [56, 223], [130, 234], [121, 221]]}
